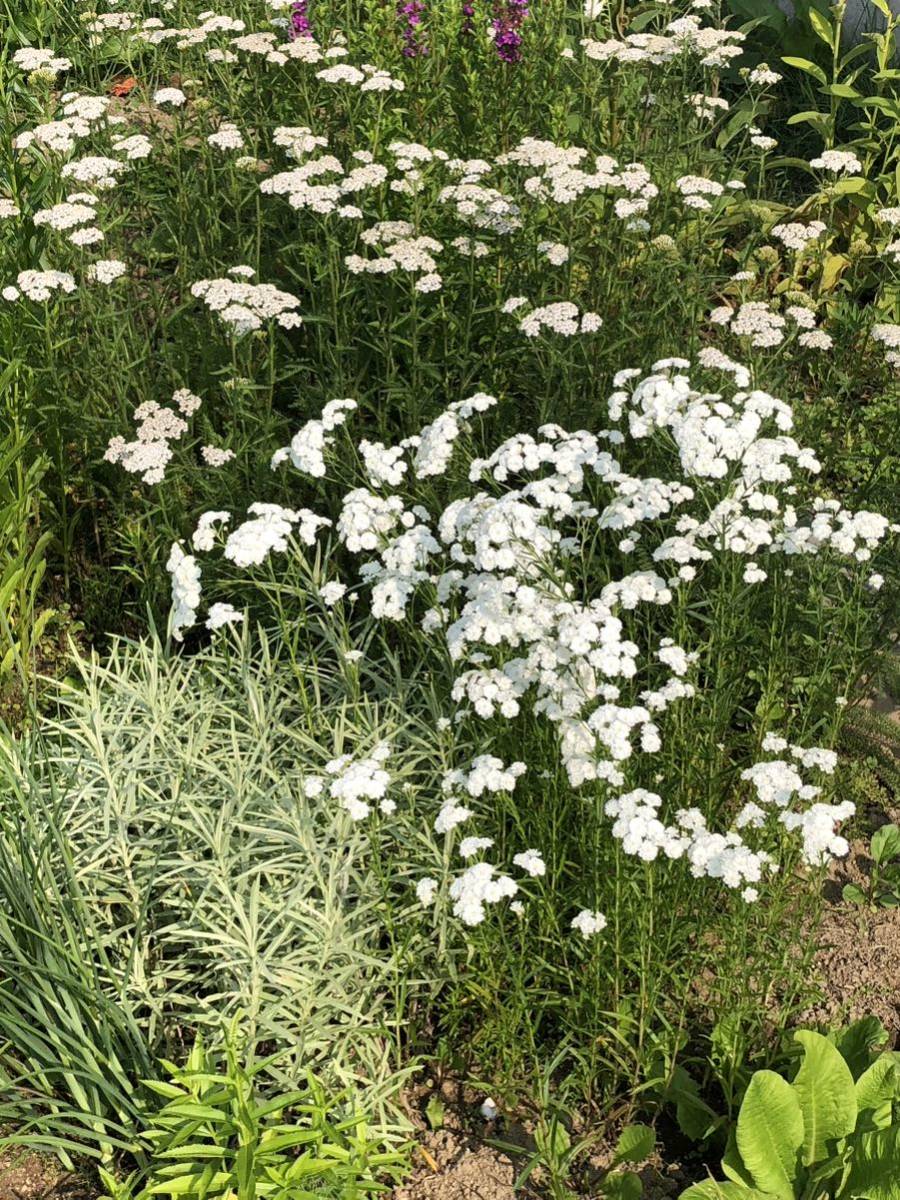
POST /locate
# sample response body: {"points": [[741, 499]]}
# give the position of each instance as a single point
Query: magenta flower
{"points": [[300, 24], [411, 12]]}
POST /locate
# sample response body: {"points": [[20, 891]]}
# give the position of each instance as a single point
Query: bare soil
{"points": [[858, 963], [25, 1175], [459, 1161]]}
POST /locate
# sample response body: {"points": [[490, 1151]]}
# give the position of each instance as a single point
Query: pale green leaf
{"points": [[825, 1090], [770, 1133]]}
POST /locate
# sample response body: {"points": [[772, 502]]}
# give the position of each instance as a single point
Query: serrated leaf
{"points": [[769, 1133], [825, 1090]]}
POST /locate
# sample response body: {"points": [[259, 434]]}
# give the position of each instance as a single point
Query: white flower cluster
{"points": [[754, 320], [39, 285], [306, 451], [696, 190], [150, 452], [796, 235], [515, 596], [185, 590], [244, 307], [561, 317], [356, 782], [837, 162], [683, 36], [269, 529], [30, 58]]}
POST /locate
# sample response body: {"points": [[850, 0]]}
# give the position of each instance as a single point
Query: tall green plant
{"points": [[23, 548], [72, 1050]]}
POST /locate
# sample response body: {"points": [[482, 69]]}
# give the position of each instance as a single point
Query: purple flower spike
{"points": [[509, 16], [300, 26], [411, 12], [468, 22]]}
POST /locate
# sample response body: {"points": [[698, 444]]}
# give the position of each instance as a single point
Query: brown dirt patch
{"points": [[458, 1171], [25, 1175], [458, 1161], [858, 963]]}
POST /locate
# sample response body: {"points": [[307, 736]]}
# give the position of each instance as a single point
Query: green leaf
{"points": [[732, 1164], [885, 843], [622, 1185], [856, 1043], [713, 1190], [434, 1112], [842, 90], [874, 1174], [823, 29], [695, 1118], [877, 1088], [854, 185], [853, 894], [769, 1133], [803, 64], [635, 1143], [825, 1091]]}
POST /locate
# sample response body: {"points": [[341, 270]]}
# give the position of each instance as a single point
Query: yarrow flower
{"points": [[30, 58], [837, 162], [170, 95], [244, 307]]}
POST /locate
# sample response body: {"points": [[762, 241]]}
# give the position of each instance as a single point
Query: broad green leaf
{"points": [[832, 269], [635, 1143], [885, 843], [874, 1174], [857, 1042], [622, 1185], [732, 1164], [825, 1091], [769, 1133], [713, 1190], [853, 894], [877, 1088], [854, 185], [823, 28], [842, 90]]}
